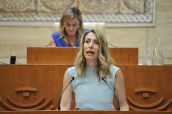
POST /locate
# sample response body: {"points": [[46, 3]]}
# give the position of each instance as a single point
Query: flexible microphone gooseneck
{"points": [[113, 90], [60, 97]]}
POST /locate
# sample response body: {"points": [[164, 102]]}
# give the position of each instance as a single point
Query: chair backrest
{"points": [[101, 26]]}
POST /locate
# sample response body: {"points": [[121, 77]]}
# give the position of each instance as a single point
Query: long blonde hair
{"points": [[104, 60], [68, 14]]}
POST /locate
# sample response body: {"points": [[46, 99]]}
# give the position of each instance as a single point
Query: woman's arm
{"points": [[67, 95], [120, 91]]}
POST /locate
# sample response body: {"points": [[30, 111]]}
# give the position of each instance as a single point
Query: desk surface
{"points": [[85, 112]]}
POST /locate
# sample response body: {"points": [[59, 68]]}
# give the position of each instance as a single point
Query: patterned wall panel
{"points": [[113, 12]]}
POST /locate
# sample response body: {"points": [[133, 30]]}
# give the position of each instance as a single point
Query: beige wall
{"points": [[14, 39], [17, 39], [143, 38]]}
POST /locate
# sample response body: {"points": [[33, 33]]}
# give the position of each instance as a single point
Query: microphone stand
{"points": [[113, 90], [49, 44], [60, 97]]}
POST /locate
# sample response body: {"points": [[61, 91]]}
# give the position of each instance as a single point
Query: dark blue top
{"points": [[62, 41]]}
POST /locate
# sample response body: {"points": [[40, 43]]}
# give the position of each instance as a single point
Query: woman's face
{"points": [[91, 47], [71, 26]]}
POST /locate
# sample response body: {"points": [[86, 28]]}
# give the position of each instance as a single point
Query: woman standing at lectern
{"points": [[93, 79]]}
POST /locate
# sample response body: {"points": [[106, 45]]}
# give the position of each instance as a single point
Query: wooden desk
{"points": [[85, 112], [37, 87], [66, 56]]}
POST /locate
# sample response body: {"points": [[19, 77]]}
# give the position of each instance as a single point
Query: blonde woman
{"points": [[71, 29], [95, 80]]}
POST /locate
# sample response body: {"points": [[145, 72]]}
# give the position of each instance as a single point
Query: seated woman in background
{"points": [[71, 29], [94, 79]]}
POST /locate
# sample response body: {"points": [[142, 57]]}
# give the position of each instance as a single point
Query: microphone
{"points": [[113, 90], [13, 58], [60, 97]]}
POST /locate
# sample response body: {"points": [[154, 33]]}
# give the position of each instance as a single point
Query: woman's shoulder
{"points": [[56, 35], [72, 71], [114, 69], [72, 68]]}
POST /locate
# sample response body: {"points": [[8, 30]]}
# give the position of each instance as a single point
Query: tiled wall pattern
{"points": [[113, 12]]}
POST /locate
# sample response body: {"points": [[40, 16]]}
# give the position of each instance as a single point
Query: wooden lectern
{"points": [[66, 56], [37, 87]]}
